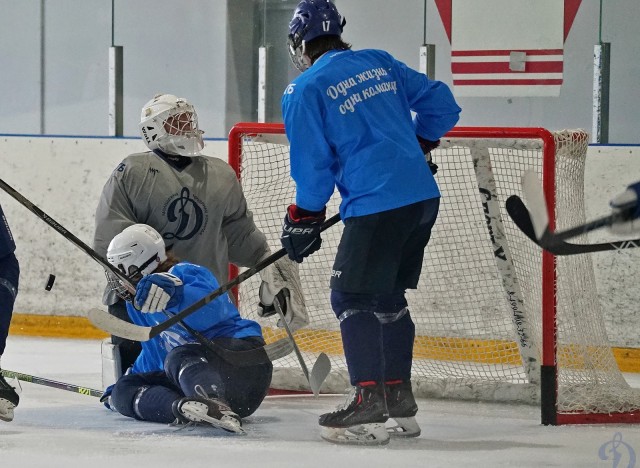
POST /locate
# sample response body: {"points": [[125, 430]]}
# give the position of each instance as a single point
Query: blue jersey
{"points": [[219, 318], [348, 119], [7, 244]]}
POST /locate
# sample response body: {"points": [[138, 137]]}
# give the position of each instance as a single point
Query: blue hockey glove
{"points": [[427, 146], [158, 291], [301, 232], [105, 399]]}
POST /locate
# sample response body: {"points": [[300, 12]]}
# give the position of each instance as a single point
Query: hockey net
{"points": [[488, 317]]}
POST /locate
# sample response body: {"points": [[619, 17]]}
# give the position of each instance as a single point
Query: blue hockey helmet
{"points": [[311, 19]]}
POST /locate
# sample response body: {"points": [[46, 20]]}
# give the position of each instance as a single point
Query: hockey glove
{"points": [[280, 281], [105, 399], [427, 146], [157, 292], [628, 204], [301, 232]]}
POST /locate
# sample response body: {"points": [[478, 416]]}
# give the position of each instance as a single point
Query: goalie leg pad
{"points": [[111, 363]]}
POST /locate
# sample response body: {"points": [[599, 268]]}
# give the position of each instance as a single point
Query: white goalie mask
{"points": [[136, 252], [170, 124]]}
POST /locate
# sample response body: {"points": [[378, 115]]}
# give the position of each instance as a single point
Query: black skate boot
{"points": [[199, 409], [360, 421], [402, 409], [9, 399]]}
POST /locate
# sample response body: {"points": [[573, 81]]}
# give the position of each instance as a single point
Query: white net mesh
{"points": [[467, 345]]}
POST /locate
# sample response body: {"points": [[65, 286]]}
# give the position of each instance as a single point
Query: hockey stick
{"points": [[249, 357], [53, 383], [321, 367], [535, 224], [61, 230], [130, 331], [277, 349], [523, 219]]}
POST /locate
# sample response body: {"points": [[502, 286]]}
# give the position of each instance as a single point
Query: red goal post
{"points": [[495, 316]]}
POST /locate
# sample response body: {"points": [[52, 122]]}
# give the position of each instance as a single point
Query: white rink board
{"points": [[64, 177]]}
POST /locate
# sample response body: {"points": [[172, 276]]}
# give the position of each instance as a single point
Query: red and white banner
{"points": [[507, 47]]}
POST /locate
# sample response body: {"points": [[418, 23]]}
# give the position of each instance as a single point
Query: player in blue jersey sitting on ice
{"points": [[176, 377], [348, 118]]}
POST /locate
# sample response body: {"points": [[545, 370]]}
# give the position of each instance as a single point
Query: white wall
{"points": [[64, 177]]}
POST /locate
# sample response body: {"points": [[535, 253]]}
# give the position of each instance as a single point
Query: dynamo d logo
{"points": [[618, 452], [187, 215]]}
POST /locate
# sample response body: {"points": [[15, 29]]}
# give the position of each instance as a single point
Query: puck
{"points": [[50, 281]]}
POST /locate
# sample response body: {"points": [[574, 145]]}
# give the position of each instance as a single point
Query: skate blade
{"points": [[199, 414], [6, 410], [404, 427], [365, 434]]}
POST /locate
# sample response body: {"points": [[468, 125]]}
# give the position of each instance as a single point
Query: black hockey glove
{"points": [[427, 146], [301, 232]]}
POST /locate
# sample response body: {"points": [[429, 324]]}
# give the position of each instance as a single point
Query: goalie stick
{"points": [[321, 367], [273, 351], [52, 383], [130, 331], [534, 223]]}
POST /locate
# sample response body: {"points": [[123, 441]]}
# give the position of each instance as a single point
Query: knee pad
{"points": [[10, 274], [387, 308], [180, 359], [391, 317], [6, 284], [346, 304]]}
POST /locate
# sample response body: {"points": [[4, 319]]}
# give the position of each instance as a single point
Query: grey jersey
{"points": [[200, 210]]}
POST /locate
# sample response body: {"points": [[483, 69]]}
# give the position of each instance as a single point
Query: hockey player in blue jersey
{"points": [[348, 118], [9, 274], [175, 377]]}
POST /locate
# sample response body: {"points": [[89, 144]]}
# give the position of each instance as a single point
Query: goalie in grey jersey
{"points": [[197, 204]]}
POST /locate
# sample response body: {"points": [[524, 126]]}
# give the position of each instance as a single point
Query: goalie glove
{"points": [[281, 280], [157, 292], [627, 204], [427, 146]]}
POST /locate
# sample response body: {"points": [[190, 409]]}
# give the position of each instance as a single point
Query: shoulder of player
{"points": [[218, 165], [135, 160], [190, 273]]}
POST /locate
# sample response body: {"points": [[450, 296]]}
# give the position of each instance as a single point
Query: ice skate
{"points": [[9, 399], [361, 420], [402, 408], [207, 410]]}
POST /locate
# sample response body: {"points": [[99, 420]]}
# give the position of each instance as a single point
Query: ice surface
{"points": [[57, 428]]}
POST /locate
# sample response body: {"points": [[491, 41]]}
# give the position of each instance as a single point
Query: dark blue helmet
{"points": [[312, 18]]}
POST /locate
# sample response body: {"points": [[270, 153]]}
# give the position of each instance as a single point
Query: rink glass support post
{"points": [[115, 91], [262, 84], [601, 74], [428, 60]]}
